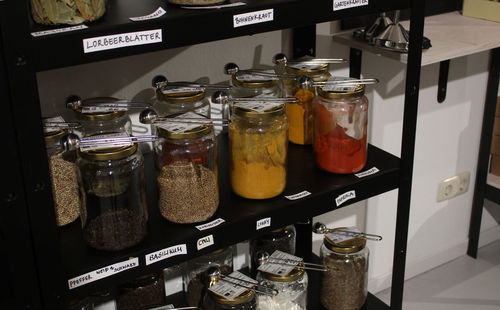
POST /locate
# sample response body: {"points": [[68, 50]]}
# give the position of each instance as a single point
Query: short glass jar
{"points": [[340, 129], [142, 293], [186, 158], [254, 85], [292, 290], [69, 12], [245, 301], [258, 145], [282, 239], [63, 177], [177, 100], [345, 284], [98, 123], [113, 211], [192, 278]]}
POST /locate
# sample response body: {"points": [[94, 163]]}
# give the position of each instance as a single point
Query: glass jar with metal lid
{"points": [[68, 12], [245, 301], [186, 158], [258, 144], [292, 290], [63, 177], [113, 211], [194, 286], [340, 128], [250, 84], [172, 100], [282, 239], [142, 293], [344, 285]]}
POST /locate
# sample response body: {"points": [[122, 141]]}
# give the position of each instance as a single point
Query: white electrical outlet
{"points": [[453, 186]]}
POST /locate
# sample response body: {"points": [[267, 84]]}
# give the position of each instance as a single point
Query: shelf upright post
{"points": [[407, 151]]}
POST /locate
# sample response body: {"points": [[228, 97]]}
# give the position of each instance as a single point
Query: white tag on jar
{"points": [[256, 77], [232, 288], [178, 127], [110, 107], [339, 87], [180, 90], [108, 140], [258, 106], [276, 263], [304, 66], [56, 119], [343, 236]]}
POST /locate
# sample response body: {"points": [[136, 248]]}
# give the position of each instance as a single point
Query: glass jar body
{"points": [[242, 91], [187, 177], [165, 106], [103, 123], [113, 210], [69, 12], [194, 287], [142, 293], [292, 295], [211, 303], [345, 284], [340, 131], [257, 155]]}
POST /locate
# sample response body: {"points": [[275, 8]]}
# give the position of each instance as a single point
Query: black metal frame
{"points": [[37, 281]]}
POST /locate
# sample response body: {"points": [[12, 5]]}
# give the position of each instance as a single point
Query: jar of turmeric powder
{"points": [[258, 138], [340, 126]]}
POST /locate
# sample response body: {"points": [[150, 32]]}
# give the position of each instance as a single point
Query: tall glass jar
{"points": [[98, 123], [254, 85], [292, 290], [282, 239], [64, 178], [68, 12], [344, 285], [186, 157], [142, 293], [113, 210], [178, 100], [258, 144], [192, 278], [340, 129], [245, 301], [300, 114]]}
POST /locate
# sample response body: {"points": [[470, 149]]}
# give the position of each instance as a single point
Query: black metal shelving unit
{"points": [[42, 258]]}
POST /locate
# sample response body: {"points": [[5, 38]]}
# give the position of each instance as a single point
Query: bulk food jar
{"points": [[186, 158], [258, 142], [252, 83], [63, 176], [113, 210], [344, 285], [142, 293], [291, 287], [71, 12], [245, 301], [340, 126], [192, 278]]}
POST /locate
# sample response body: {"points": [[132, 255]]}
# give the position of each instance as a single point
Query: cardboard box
{"points": [[495, 145], [497, 111], [496, 126], [495, 164], [484, 9]]}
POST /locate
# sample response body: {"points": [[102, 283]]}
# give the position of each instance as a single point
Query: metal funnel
{"points": [[379, 25], [394, 37]]}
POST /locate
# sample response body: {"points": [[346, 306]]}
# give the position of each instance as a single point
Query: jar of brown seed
{"points": [[344, 285], [63, 177]]}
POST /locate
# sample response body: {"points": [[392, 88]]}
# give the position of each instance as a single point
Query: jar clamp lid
{"points": [[110, 153], [240, 299], [330, 94], [188, 96], [193, 133], [293, 275], [253, 83], [350, 245], [252, 114], [54, 136]]}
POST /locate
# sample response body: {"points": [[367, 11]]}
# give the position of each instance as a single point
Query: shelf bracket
{"points": [[355, 62], [444, 67]]}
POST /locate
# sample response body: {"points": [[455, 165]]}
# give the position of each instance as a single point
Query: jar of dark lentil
{"points": [[186, 158], [194, 287], [345, 284], [292, 290], [245, 301], [172, 100], [63, 177], [113, 211], [142, 293], [282, 239]]}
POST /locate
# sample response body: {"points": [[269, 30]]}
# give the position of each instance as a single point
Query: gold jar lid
{"points": [[54, 136], [351, 245], [306, 69], [254, 83], [110, 153], [193, 133], [293, 275], [98, 116], [252, 114], [240, 299], [181, 97], [357, 92]]}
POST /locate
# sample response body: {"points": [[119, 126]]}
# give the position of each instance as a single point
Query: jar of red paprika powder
{"points": [[340, 123]]}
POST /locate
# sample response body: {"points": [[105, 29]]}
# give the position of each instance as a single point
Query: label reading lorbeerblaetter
{"points": [[257, 17], [347, 4], [102, 273], [345, 197], [102, 43], [160, 255]]}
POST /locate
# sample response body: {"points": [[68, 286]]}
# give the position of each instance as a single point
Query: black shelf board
{"points": [[240, 214], [183, 27]]}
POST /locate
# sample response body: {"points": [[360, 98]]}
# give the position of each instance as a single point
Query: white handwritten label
{"points": [[205, 242], [102, 273], [156, 14], [249, 77], [367, 172], [298, 195], [47, 122], [251, 18], [211, 7], [160, 255], [280, 263], [263, 223], [105, 141], [58, 30], [102, 43], [230, 287], [258, 106], [178, 127], [347, 4], [339, 87], [180, 90], [110, 107], [345, 197], [339, 236], [211, 224]]}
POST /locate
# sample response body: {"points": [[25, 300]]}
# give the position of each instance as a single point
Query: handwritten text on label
{"points": [[158, 13], [102, 273], [58, 30], [121, 40], [367, 172], [205, 242], [256, 17], [211, 224], [263, 223], [298, 195], [160, 255], [347, 4], [345, 197]]}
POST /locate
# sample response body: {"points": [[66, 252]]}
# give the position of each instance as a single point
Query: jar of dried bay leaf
{"points": [[186, 159], [63, 177], [344, 285], [70, 12]]}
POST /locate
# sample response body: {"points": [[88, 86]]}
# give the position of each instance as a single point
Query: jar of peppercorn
{"points": [[142, 293], [340, 128], [186, 159], [245, 301]]}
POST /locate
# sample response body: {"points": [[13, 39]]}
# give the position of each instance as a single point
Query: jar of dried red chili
{"points": [[340, 125]]}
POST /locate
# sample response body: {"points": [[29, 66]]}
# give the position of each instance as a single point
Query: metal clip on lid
{"points": [[281, 59], [161, 81], [63, 125], [75, 103], [320, 228], [215, 275], [233, 70], [262, 257], [71, 141], [221, 97], [149, 116], [352, 82]]}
